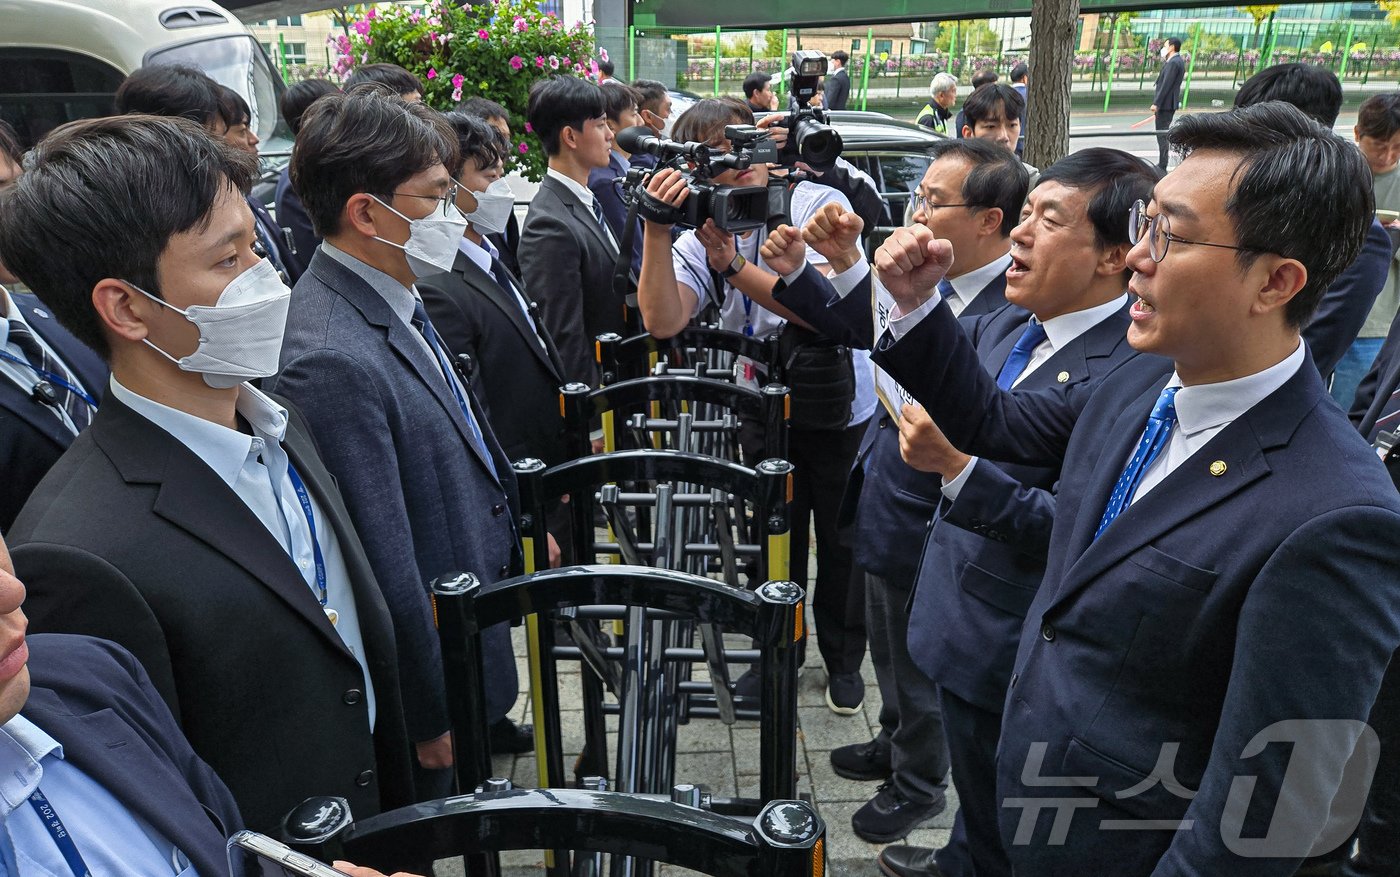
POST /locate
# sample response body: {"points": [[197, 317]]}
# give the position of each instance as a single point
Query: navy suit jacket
{"points": [[279, 239], [887, 504], [609, 195], [422, 499], [1196, 620], [31, 438], [93, 697], [1346, 303], [1166, 92], [292, 215], [1379, 385]]}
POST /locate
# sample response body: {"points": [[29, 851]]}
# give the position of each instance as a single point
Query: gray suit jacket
{"points": [[424, 502]]}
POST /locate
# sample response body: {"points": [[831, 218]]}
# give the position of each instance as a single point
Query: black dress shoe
{"points": [[862, 761], [901, 861], [890, 816], [508, 738]]}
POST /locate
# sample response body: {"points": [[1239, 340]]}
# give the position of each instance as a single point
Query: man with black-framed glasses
{"points": [[422, 474], [1192, 681]]}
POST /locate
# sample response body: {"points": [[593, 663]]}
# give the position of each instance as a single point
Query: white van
{"points": [[62, 60]]}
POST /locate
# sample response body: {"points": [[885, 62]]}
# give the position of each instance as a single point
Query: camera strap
{"points": [[624, 284]]}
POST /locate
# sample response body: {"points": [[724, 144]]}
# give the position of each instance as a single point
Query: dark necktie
{"points": [[425, 328], [1031, 338], [507, 282], [1154, 438], [72, 403], [603, 223]]}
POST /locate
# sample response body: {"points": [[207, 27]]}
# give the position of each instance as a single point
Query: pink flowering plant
{"points": [[494, 50]]}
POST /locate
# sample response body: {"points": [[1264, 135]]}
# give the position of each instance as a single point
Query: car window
{"points": [[44, 88]]}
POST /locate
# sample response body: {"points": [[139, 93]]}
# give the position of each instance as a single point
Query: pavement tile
{"points": [[827, 786], [823, 729]]}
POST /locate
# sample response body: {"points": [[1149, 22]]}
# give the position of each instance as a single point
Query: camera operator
{"points": [[707, 265]]}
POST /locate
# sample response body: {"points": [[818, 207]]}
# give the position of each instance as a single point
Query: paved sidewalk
{"points": [[725, 759]]}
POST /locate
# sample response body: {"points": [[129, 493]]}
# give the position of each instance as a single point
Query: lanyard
{"points": [[51, 378], [61, 838], [305, 499]]}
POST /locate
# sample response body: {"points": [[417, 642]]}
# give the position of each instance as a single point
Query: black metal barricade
{"points": [[786, 839], [700, 351]]}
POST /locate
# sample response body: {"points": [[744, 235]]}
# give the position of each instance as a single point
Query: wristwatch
{"points": [[735, 266]]}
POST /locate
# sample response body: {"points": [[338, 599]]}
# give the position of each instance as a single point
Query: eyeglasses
{"points": [[919, 202], [1157, 230], [447, 201]]}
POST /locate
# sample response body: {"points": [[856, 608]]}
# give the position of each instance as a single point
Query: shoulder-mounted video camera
{"points": [[733, 208]]}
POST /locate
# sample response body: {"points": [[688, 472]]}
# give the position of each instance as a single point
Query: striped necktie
{"points": [[425, 328], [1154, 438], [72, 403], [603, 224]]}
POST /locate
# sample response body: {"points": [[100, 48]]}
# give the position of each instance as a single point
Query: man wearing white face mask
{"points": [[193, 522], [395, 417]]}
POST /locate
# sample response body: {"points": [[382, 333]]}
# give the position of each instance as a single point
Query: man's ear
{"points": [[989, 221], [1113, 260], [967, 132], [569, 137], [359, 214], [1283, 280], [122, 310]]}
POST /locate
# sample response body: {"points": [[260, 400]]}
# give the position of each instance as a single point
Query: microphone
{"points": [[44, 394], [640, 139]]}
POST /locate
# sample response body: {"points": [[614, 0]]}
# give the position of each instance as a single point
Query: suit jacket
{"points": [[609, 195], [517, 370], [94, 698], [31, 438], [1182, 624], [1379, 385], [567, 264], [423, 500], [291, 215], [282, 249], [219, 615], [887, 504], [1344, 306], [1166, 94], [508, 244], [837, 91]]}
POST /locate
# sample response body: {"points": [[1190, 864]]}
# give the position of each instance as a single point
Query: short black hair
{"points": [[123, 186], [170, 90], [652, 93], [9, 143], [1300, 191], [477, 141], [840, 55], [395, 77], [755, 82], [233, 109], [1116, 178], [1020, 71], [1174, 42], [982, 104], [1313, 89], [706, 119], [561, 102], [484, 108], [997, 178], [606, 66], [299, 97], [618, 98], [367, 141], [1379, 116], [985, 76]]}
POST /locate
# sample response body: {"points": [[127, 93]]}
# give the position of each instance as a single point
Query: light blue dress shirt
{"points": [[25, 378], [255, 467], [113, 841]]}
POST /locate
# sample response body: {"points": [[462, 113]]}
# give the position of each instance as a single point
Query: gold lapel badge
{"points": [[1062, 377], [1218, 468]]}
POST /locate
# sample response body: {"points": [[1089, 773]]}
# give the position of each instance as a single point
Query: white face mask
{"points": [[432, 241], [493, 208], [1166, 50], [240, 335]]}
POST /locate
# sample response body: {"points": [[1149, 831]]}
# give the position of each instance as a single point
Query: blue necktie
{"points": [[946, 289], [1030, 339], [425, 328], [603, 223], [1149, 447]]}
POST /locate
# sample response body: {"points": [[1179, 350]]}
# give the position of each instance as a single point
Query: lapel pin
{"points": [[1062, 377], [41, 313], [1218, 468]]}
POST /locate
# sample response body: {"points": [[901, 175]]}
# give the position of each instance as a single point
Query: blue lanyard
{"points": [[51, 378], [61, 838], [305, 499], [748, 314]]}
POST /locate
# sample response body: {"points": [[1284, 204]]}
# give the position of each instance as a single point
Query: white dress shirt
{"points": [[1059, 331], [255, 467], [1203, 410], [584, 194], [25, 378], [481, 255]]}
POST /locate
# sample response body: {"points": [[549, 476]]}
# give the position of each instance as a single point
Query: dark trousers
{"points": [[823, 460], [911, 724], [975, 848], [1164, 121]]}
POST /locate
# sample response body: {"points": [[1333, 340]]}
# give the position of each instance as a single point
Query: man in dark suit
{"points": [[758, 92], [620, 103], [1163, 652], [484, 312], [259, 616], [1020, 81], [291, 214], [507, 242], [972, 591], [567, 251], [37, 427], [1166, 94], [836, 93], [423, 476]]}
